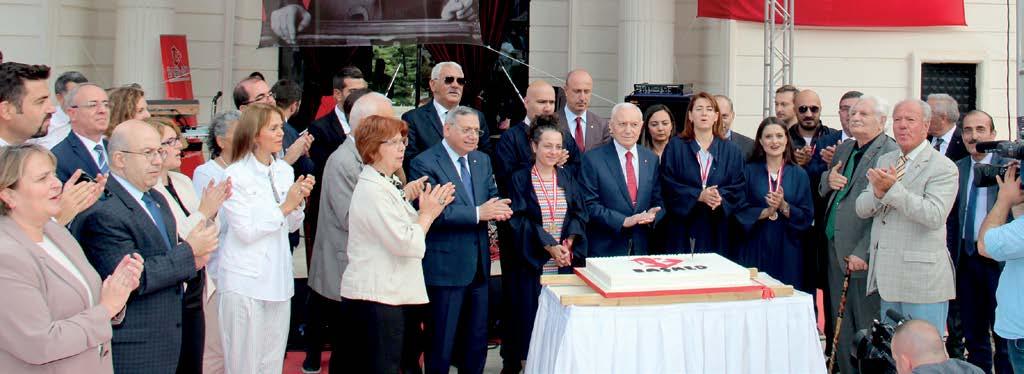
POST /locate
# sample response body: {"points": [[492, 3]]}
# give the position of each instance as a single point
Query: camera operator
{"points": [[918, 349], [1003, 241]]}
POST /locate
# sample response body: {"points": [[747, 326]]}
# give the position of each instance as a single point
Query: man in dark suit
{"points": [[446, 84], [726, 113], [586, 128], [131, 219], [621, 189], [977, 276], [947, 138], [84, 148], [846, 233], [457, 263]]}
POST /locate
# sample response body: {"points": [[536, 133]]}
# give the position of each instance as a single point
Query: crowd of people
{"points": [[116, 262]]}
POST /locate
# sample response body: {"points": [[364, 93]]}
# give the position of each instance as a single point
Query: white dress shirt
{"points": [[344, 121], [441, 111], [621, 151], [256, 259], [60, 127], [90, 147], [981, 202], [946, 138], [570, 119], [385, 245]]}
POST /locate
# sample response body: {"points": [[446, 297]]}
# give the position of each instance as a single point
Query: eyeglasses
{"points": [[171, 142], [260, 98], [450, 80], [467, 132], [151, 154], [812, 108], [92, 105], [396, 142]]}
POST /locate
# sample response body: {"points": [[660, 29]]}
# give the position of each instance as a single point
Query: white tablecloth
{"points": [[758, 336]]}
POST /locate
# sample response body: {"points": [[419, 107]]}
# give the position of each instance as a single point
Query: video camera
{"points": [[873, 350], [985, 175]]}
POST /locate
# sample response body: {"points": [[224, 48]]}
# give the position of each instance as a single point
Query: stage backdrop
{"points": [[846, 13], [365, 22]]}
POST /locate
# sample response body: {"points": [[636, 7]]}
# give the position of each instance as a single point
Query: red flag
{"points": [[845, 13]]}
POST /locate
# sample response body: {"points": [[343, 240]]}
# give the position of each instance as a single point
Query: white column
{"points": [[137, 45], [646, 43]]}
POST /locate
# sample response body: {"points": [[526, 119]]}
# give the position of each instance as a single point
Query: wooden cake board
{"points": [[571, 290]]}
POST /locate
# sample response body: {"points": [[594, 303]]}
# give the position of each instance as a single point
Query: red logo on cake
{"points": [[660, 263]]}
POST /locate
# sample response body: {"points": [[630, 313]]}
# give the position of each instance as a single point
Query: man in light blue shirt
{"points": [[1005, 242]]}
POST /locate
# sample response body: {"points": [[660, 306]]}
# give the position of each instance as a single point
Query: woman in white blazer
{"points": [[189, 211], [255, 281], [384, 276]]}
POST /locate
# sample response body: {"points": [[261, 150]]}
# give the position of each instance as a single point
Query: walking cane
{"points": [[839, 322]]}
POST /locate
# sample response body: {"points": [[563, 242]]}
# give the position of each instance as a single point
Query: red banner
{"points": [[846, 13], [177, 74]]}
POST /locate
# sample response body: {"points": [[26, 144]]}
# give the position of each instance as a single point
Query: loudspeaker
{"points": [[677, 103]]}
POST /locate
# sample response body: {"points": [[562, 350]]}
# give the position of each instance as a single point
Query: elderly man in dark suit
{"points": [[586, 128], [446, 84], [457, 262], [977, 276], [846, 233], [84, 148], [621, 189], [133, 219]]}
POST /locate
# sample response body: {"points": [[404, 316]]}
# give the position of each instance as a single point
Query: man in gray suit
{"points": [[847, 233], [329, 248], [910, 193], [587, 129]]}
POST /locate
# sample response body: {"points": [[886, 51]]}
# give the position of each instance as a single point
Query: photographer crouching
{"points": [[1003, 241]]}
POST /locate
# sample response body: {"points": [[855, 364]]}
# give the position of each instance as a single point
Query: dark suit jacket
{"points": [[527, 221], [149, 339], [744, 143], [513, 152], [964, 166], [327, 137], [72, 155], [608, 204], [597, 129], [425, 130], [457, 243]]}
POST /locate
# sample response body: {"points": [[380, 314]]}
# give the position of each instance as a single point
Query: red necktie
{"points": [[630, 177], [579, 134]]}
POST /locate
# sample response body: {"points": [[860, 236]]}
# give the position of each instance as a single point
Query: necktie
{"points": [[938, 144], [101, 158], [630, 177], [830, 225], [467, 180], [154, 210], [901, 166], [579, 134], [972, 202]]}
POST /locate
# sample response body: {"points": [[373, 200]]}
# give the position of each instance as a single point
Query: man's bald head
{"points": [[370, 104], [808, 109], [916, 343], [540, 99]]}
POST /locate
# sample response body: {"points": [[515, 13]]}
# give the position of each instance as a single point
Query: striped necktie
{"points": [[901, 166]]}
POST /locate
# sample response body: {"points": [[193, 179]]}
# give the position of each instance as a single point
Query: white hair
{"points": [[624, 106], [436, 71], [926, 110], [945, 106], [367, 105]]}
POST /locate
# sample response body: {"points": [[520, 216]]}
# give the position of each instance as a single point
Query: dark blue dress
{"points": [[775, 247], [681, 186]]}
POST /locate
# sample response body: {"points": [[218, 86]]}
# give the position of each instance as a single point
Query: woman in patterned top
{"points": [[549, 220]]}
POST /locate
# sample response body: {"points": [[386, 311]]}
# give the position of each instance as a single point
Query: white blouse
{"points": [[255, 258], [385, 245]]}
